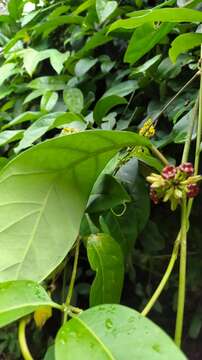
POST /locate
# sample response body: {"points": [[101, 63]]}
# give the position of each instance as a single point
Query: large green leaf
{"points": [[144, 39], [183, 43], [43, 194], [114, 332], [74, 99], [19, 298], [106, 258], [26, 116], [139, 18], [6, 71]]}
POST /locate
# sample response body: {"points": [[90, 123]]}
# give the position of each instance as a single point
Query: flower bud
{"points": [[187, 168], [169, 172], [154, 196], [192, 190]]}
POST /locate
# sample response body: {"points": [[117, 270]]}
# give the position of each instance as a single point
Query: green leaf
{"points": [[48, 101], [84, 65], [144, 39], [146, 66], [175, 15], [113, 332], [122, 89], [48, 26], [50, 354], [32, 57], [183, 43], [15, 8], [180, 129], [74, 100], [106, 258], [26, 116], [42, 125], [49, 83], [105, 8], [9, 136], [105, 104], [126, 228], [6, 71], [47, 188], [106, 194], [20, 298], [144, 155]]}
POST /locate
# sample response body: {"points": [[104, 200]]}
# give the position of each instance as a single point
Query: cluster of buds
{"points": [[173, 184], [148, 129]]}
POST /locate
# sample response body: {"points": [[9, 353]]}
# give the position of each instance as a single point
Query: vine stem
{"points": [[165, 278], [72, 281], [155, 120], [159, 155], [182, 275], [22, 340]]}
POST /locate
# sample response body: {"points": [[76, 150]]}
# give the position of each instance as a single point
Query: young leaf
{"points": [[74, 100], [175, 15], [183, 43], [105, 8], [106, 258], [19, 298], [47, 188], [113, 332]]}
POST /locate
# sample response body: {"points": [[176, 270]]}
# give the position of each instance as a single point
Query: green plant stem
{"points": [[72, 281], [159, 155], [182, 275], [165, 278], [156, 118], [22, 340]]}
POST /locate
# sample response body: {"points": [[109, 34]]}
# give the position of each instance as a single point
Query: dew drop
{"points": [[108, 323]]}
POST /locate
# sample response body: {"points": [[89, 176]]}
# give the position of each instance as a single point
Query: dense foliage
{"points": [[91, 93]]}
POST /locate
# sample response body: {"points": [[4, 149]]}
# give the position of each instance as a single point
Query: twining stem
{"points": [[72, 281], [165, 278], [22, 340], [155, 119], [182, 275]]}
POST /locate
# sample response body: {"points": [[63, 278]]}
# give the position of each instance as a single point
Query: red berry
{"points": [[169, 172], [193, 190], [187, 168], [154, 196]]}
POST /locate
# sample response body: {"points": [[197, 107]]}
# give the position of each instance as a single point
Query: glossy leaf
{"points": [[74, 100], [106, 258], [48, 101], [122, 89], [42, 125], [47, 188], [9, 136], [19, 298], [32, 57], [183, 43], [26, 116], [139, 18], [6, 71], [105, 104], [146, 66], [114, 332], [144, 39], [105, 8], [84, 65]]}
